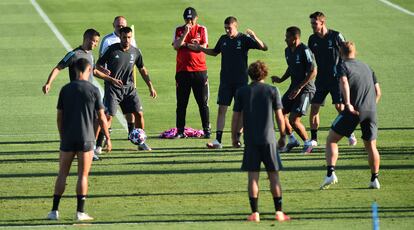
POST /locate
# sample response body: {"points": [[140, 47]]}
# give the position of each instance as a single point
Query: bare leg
{"points": [[314, 116], [275, 186], [294, 119], [373, 155], [84, 166], [221, 117], [332, 148], [65, 161], [253, 184], [139, 120], [289, 129]]}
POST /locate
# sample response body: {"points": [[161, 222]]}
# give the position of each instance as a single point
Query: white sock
{"points": [[292, 138]]}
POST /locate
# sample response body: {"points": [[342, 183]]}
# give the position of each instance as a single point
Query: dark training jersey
{"points": [[78, 100], [258, 102], [121, 63], [300, 63], [326, 51], [70, 59], [234, 57], [361, 80]]}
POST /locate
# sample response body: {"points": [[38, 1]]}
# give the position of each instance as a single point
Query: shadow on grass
{"points": [[344, 213], [199, 171]]}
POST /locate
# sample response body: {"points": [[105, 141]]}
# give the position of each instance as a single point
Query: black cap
{"points": [[189, 13]]}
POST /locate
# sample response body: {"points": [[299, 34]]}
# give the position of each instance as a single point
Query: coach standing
{"points": [[191, 71]]}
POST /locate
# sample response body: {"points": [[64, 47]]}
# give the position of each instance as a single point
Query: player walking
{"points": [[302, 70], [254, 107], [361, 93]]}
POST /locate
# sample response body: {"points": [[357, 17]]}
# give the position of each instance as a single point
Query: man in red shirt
{"points": [[191, 71]]}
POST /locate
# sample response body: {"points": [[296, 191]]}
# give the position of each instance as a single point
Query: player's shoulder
{"points": [[202, 27]]}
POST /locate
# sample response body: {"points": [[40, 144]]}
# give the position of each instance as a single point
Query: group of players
{"points": [[328, 57]]}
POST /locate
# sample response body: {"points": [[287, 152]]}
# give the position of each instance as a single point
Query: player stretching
{"points": [[78, 102], [302, 70], [325, 44], [254, 107], [361, 93]]}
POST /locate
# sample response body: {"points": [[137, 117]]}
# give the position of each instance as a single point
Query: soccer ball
{"points": [[137, 136]]}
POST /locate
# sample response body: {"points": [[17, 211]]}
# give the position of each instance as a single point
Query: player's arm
{"points": [[262, 45], [52, 76], [377, 92], [276, 79], [59, 122], [280, 121], [145, 76], [104, 74], [344, 86], [179, 42], [104, 125], [236, 124]]}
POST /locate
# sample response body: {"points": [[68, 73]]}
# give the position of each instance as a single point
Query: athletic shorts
{"points": [[77, 146], [322, 92], [227, 92], [345, 123], [254, 155], [126, 97], [298, 105]]}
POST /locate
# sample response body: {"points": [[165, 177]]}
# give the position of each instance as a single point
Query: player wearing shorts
{"points": [[120, 59], [325, 44], [191, 71], [108, 40], [78, 103], [361, 93], [302, 70], [254, 108], [234, 47]]}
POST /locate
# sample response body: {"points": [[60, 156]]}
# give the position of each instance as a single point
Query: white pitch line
{"points": [[397, 7], [68, 48]]}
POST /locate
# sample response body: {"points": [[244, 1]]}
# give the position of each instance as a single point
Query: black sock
{"points": [[99, 140], [314, 134], [131, 127], [219, 134], [56, 200], [329, 170], [81, 203], [374, 176], [278, 203], [253, 203]]}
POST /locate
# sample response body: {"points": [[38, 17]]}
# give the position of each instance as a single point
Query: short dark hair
{"points": [[81, 64], [90, 33], [317, 15], [230, 20], [293, 31], [258, 70], [125, 30]]}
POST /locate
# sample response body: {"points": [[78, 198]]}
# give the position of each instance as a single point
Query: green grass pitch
{"points": [[181, 184]]}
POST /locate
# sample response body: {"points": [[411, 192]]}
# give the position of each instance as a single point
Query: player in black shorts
{"points": [[254, 108], [120, 59], [234, 47], [325, 44], [78, 103], [361, 93], [302, 70]]}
